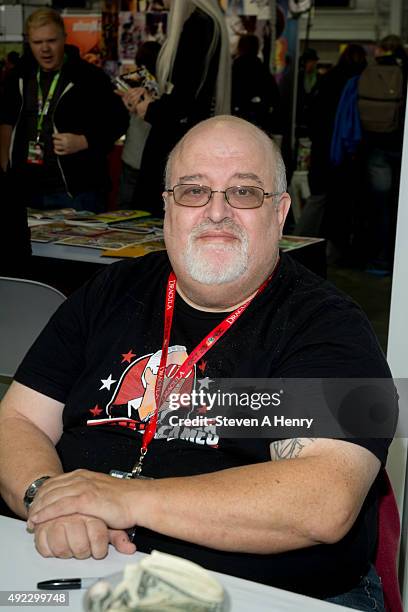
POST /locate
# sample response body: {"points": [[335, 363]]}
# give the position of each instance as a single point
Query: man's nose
{"points": [[218, 207]]}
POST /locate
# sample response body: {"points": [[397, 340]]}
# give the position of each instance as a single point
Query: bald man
{"points": [[297, 513]]}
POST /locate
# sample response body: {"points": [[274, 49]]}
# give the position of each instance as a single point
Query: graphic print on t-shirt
{"points": [[132, 402]]}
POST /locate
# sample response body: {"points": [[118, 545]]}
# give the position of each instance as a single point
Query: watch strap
{"points": [[32, 490]]}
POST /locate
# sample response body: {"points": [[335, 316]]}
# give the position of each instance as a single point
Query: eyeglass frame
{"points": [[266, 194]]}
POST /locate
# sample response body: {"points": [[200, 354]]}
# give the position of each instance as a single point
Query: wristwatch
{"points": [[32, 490]]}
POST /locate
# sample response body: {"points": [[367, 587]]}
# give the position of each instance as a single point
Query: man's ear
{"points": [[165, 196], [283, 209]]}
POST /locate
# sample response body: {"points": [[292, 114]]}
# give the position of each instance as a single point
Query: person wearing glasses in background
{"points": [[91, 398]]}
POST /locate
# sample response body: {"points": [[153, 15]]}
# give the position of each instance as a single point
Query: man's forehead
{"points": [[46, 31], [210, 148], [224, 138]]}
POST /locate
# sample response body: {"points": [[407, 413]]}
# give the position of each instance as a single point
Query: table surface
{"points": [[73, 253], [22, 567]]}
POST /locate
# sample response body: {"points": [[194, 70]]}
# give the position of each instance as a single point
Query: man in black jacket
{"points": [[59, 119]]}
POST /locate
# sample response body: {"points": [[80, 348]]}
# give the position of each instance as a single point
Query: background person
{"points": [[297, 513], [194, 75], [255, 94], [308, 79], [330, 208], [382, 151], [62, 124], [136, 134]]}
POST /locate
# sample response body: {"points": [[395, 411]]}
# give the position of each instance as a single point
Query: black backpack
{"points": [[380, 98]]}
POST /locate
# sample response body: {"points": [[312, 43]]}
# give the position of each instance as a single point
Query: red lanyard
{"points": [[186, 367]]}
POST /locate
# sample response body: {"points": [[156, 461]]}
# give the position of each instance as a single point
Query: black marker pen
{"points": [[62, 584]]}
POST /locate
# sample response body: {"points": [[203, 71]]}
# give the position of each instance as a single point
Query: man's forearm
{"points": [[263, 508], [309, 496], [267, 507], [26, 453]]}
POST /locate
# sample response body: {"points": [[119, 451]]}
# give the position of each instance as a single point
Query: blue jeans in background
{"points": [[366, 596], [383, 174]]}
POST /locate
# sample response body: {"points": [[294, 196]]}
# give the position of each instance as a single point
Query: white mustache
{"points": [[228, 226]]}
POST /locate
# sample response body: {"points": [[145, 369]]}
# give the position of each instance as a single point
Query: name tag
{"points": [[35, 153]]}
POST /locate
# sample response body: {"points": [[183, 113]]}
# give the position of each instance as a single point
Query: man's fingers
{"points": [[54, 509], [57, 541], [120, 540], [41, 541], [54, 487], [98, 535], [96, 495], [78, 542], [73, 536]]}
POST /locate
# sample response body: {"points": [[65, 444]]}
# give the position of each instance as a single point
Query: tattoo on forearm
{"points": [[289, 449]]}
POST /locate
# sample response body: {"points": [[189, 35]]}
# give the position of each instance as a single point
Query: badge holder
{"points": [[35, 152]]}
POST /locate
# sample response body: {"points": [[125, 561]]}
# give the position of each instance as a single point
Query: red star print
{"points": [[128, 356], [202, 365], [96, 411]]}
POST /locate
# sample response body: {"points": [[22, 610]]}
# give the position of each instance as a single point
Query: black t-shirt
{"points": [[99, 355]]}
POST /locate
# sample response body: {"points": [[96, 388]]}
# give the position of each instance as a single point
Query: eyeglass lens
{"points": [[237, 196]]}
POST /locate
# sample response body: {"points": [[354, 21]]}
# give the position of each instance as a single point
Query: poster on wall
{"points": [[135, 28], [131, 34], [247, 17], [85, 32]]}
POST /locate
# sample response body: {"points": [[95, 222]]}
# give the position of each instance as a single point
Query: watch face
{"points": [[31, 489]]}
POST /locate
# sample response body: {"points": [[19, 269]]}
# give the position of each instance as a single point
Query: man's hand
{"points": [[136, 100], [91, 493], [66, 144], [79, 536]]}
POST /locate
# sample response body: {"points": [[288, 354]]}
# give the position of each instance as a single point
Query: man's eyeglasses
{"points": [[238, 196]]}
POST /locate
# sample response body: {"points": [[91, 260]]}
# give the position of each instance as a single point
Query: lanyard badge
{"points": [[36, 147], [35, 152]]}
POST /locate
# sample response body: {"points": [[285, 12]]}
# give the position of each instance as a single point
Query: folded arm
{"points": [[308, 494], [30, 426]]}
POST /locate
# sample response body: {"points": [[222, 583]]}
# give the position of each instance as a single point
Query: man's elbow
{"points": [[335, 525]]}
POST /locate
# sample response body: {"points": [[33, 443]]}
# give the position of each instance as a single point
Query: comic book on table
{"points": [[53, 231], [73, 217], [109, 239]]}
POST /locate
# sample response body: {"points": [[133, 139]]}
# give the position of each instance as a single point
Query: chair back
{"points": [[388, 544], [25, 308]]}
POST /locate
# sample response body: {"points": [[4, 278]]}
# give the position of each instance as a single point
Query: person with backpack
{"points": [[381, 102]]}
